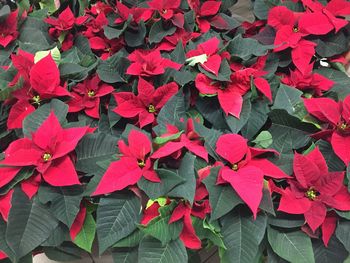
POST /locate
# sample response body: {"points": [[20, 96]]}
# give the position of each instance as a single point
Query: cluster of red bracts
{"points": [[311, 190]]}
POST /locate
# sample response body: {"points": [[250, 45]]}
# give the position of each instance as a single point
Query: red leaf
{"points": [[306, 172], [264, 87], [119, 175], [315, 215], [248, 183], [341, 146], [5, 204], [7, 174], [78, 222], [231, 147], [324, 109], [61, 172]]}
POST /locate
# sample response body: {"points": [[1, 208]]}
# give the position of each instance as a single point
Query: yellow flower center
{"points": [[343, 126], [91, 93], [151, 109], [235, 167], [36, 99], [311, 194], [47, 157], [141, 163], [295, 29]]}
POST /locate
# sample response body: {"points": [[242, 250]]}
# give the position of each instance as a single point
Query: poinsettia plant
{"points": [[155, 130]]}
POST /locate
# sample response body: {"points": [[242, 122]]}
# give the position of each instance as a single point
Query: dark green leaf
{"points": [[135, 38], [245, 48], [152, 251], [242, 236], [158, 32], [342, 81], [125, 255], [334, 252], [113, 69], [169, 180], [294, 246], [332, 45], [64, 202], [95, 148], [187, 189], [29, 224], [287, 98], [117, 216], [288, 132], [342, 233], [222, 198], [257, 119]]}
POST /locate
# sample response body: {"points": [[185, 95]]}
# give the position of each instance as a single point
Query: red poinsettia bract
{"points": [[132, 165], [149, 63], [337, 115], [314, 189], [206, 53], [146, 104], [244, 172], [8, 29], [190, 140], [87, 95], [48, 151], [41, 82]]}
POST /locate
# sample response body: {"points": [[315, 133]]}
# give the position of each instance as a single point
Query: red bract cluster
{"points": [[159, 129]]}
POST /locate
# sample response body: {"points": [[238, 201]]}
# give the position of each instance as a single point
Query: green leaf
{"points": [[169, 180], [262, 7], [34, 120], [288, 132], [242, 236], [117, 216], [86, 236], [236, 124], [112, 70], [173, 111], [334, 252], [112, 33], [50, 5], [205, 230], [294, 246], [187, 189], [342, 233], [333, 161], [3, 243], [342, 81], [125, 255], [178, 55], [29, 224], [135, 38], [158, 32], [160, 228], [287, 98], [132, 240], [332, 45], [95, 148], [152, 251], [64, 202], [73, 71], [163, 140], [66, 252], [263, 140], [4, 12], [34, 35], [222, 198], [257, 119], [57, 236], [245, 48]]}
